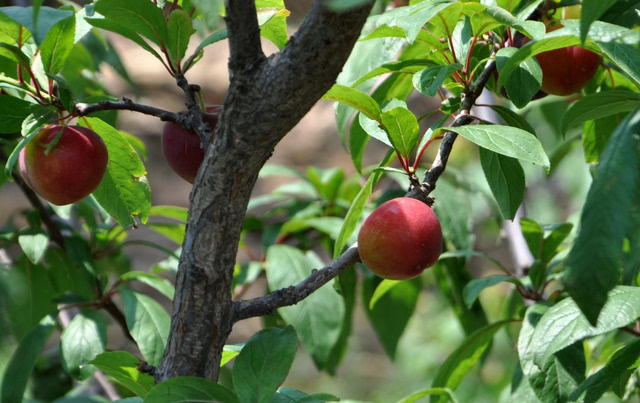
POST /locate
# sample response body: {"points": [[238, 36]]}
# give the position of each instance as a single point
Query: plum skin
{"points": [[182, 148], [400, 239], [71, 170]]}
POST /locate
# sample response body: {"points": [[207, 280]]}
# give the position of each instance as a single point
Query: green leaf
{"points": [[552, 241], [144, 15], [124, 191], [592, 389], [460, 362], [593, 265], [180, 26], [513, 119], [591, 10], [318, 317], [453, 208], [525, 80], [430, 79], [346, 284], [355, 99], [327, 225], [190, 389], [390, 315], [412, 18], [263, 364], [57, 45], [210, 10], [533, 235], [178, 213], [12, 112], [273, 23], [402, 128], [599, 105], [159, 283], [596, 135], [290, 395], [626, 57], [410, 66], [414, 397], [23, 360], [475, 286], [123, 368], [83, 340], [506, 180], [33, 243], [230, 352], [564, 324], [31, 125], [148, 323], [505, 140], [173, 231], [38, 20], [467, 253], [382, 288]]}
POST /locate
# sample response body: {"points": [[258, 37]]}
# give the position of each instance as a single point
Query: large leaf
{"points": [[591, 10], [38, 20], [23, 360], [593, 265], [148, 323], [57, 45], [263, 364], [599, 105], [391, 313], [124, 191], [460, 362], [506, 180], [412, 18], [82, 341], [564, 324], [626, 57], [190, 389], [505, 140], [429, 80], [123, 367], [318, 317], [12, 112], [524, 82], [144, 15]]}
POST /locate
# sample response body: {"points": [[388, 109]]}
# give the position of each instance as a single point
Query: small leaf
{"points": [[173, 231], [533, 235], [525, 80], [18, 370], [33, 243], [564, 324], [382, 288], [593, 265], [290, 395], [475, 286], [513, 119], [402, 66], [430, 79], [229, 353], [273, 23], [626, 57], [123, 368], [263, 364], [599, 105], [178, 213], [509, 141], [124, 191], [414, 397], [57, 45], [148, 323], [180, 26], [144, 15], [355, 99], [190, 389], [402, 128], [506, 180], [159, 283], [82, 341]]}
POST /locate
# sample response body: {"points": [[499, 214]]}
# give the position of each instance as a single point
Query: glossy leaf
{"points": [[402, 128], [599, 105], [272, 18], [263, 364], [412, 18], [144, 15], [390, 315], [318, 317], [475, 286], [429, 80], [148, 323], [124, 191], [593, 263], [524, 82], [626, 57], [591, 10], [513, 119], [355, 99], [509, 141], [506, 180], [290, 395], [229, 353], [57, 45], [123, 368], [190, 389], [24, 359], [410, 66], [37, 20], [180, 26], [81, 341]]}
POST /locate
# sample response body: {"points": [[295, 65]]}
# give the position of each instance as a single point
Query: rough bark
{"points": [[266, 98]]}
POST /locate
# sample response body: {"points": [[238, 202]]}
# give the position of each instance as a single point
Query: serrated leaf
{"points": [[263, 364], [180, 26], [318, 317], [355, 99], [564, 324], [144, 15], [430, 79], [505, 140], [506, 180], [592, 389], [390, 315], [123, 367], [190, 389], [460, 362], [475, 286], [159, 283], [57, 45], [402, 128], [148, 323], [23, 360], [124, 191], [593, 265], [12, 112], [599, 105], [81, 341]]}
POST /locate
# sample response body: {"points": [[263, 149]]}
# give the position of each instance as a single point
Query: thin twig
{"points": [[83, 109]]}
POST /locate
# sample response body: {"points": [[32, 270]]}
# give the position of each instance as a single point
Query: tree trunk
{"points": [[267, 97]]}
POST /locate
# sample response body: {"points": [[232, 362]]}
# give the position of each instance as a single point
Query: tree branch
{"points": [[267, 305], [82, 109], [244, 36]]}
